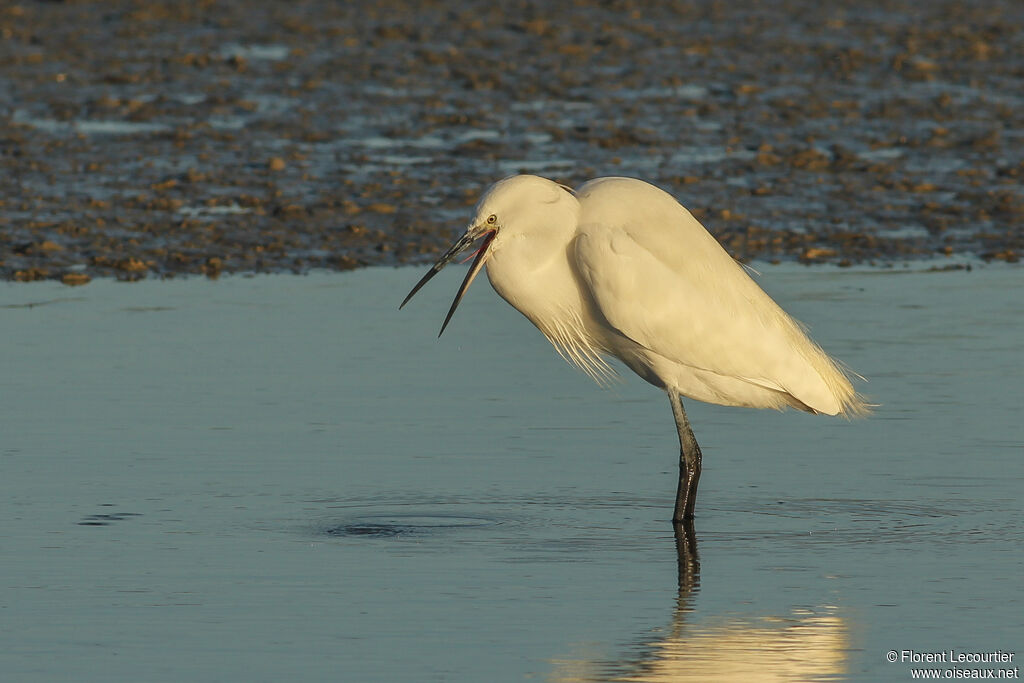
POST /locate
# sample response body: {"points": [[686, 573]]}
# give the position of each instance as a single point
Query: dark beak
{"points": [[463, 243]]}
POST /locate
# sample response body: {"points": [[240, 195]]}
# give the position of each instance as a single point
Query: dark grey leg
{"points": [[689, 462]]}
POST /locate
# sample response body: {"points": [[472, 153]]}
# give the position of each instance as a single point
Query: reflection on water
{"points": [[285, 478], [802, 645]]}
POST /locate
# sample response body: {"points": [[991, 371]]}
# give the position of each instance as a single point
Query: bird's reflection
{"points": [[689, 566], [802, 645]]}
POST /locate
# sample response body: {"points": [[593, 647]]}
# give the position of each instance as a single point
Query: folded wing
{"points": [[663, 281]]}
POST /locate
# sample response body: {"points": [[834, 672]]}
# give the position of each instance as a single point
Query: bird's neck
{"points": [[535, 275]]}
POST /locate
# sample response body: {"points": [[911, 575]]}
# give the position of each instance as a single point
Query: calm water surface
{"points": [[284, 478]]}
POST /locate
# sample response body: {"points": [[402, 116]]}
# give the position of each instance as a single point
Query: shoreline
{"points": [[759, 267]]}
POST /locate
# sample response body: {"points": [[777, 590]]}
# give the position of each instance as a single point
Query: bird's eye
{"points": [[492, 219]]}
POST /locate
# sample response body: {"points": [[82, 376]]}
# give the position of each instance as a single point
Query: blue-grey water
{"points": [[286, 478]]}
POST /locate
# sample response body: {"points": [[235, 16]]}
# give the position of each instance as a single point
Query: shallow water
{"points": [[286, 478]]}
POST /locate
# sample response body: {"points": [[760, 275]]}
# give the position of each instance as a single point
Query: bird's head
{"points": [[512, 206]]}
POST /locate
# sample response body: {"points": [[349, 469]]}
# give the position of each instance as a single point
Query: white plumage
{"points": [[619, 268], [634, 275]]}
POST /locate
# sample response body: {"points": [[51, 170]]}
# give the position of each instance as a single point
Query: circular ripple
{"points": [[384, 526]]}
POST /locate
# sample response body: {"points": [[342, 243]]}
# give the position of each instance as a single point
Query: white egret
{"points": [[619, 268]]}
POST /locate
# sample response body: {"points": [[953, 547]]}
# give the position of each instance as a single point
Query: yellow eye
{"points": [[493, 218]]}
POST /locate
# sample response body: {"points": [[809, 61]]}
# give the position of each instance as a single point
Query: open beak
{"points": [[471, 235]]}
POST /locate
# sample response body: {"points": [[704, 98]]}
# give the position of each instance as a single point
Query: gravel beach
{"points": [[150, 139]]}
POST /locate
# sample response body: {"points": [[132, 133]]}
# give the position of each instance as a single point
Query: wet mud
{"points": [[150, 139]]}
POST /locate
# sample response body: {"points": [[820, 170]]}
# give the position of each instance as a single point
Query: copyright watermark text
{"points": [[960, 664]]}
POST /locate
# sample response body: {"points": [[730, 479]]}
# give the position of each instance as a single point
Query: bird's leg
{"points": [[689, 462]]}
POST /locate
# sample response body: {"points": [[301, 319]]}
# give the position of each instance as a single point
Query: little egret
{"points": [[619, 268]]}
